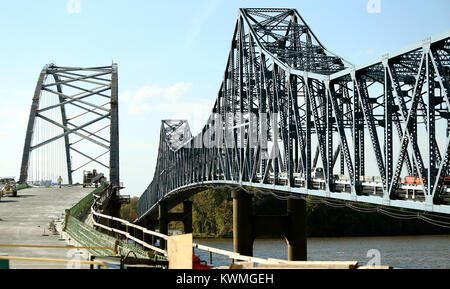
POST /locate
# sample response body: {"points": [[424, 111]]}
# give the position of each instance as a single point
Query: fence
{"points": [[89, 237], [83, 206], [115, 223]]}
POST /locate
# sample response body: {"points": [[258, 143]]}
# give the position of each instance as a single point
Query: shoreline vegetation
{"points": [[212, 218]]}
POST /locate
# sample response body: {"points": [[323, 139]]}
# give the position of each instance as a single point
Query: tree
{"points": [[213, 213], [129, 211]]}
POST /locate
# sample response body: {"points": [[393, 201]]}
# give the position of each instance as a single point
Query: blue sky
{"points": [[171, 56]]}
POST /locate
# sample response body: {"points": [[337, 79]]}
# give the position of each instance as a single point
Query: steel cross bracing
{"points": [[287, 106], [80, 107]]}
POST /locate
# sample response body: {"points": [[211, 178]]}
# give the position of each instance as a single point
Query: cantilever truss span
{"points": [[73, 123], [292, 117]]}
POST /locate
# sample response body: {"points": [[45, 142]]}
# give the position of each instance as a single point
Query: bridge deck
{"points": [[23, 220]]}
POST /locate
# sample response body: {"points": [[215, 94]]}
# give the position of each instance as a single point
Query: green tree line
{"points": [[213, 217], [128, 212]]}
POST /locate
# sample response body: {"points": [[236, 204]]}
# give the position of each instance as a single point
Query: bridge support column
{"points": [[149, 224], [114, 205], [187, 220], [165, 218], [163, 223], [296, 237], [246, 226], [113, 209], [185, 217], [243, 235]]}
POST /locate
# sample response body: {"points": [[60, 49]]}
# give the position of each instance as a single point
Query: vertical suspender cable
{"points": [[43, 135], [55, 143], [51, 135], [44, 167]]}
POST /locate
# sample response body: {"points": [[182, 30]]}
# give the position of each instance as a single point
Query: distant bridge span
{"points": [[284, 93], [73, 126]]}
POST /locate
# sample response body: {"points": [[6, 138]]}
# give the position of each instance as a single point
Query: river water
{"points": [[418, 252]]}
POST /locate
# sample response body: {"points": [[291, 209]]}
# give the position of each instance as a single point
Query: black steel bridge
{"points": [[293, 118]]}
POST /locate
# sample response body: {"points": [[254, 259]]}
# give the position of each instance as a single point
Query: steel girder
{"points": [[283, 93], [91, 93]]}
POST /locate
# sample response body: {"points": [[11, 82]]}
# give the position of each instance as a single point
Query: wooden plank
{"points": [[180, 252]]}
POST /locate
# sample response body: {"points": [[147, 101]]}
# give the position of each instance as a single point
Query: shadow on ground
{"points": [[7, 201], [25, 196]]}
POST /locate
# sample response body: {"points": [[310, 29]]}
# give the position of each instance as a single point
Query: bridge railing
{"points": [[113, 225], [88, 236], [83, 206]]}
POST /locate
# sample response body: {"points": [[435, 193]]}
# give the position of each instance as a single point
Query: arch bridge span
{"points": [[292, 117]]}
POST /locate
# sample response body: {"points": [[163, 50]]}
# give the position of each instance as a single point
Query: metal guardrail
{"points": [[77, 210], [88, 236], [126, 234]]}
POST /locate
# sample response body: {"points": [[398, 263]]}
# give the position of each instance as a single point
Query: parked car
{"points": [[8, 187]]}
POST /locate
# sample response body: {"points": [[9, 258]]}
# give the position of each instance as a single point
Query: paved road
{"points": [[24, 219]]}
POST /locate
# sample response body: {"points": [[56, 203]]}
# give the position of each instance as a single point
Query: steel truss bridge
{"points": [[73, 121], [288, 106]]}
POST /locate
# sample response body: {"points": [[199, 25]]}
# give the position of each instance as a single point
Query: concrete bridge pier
{"points": [[243, 235], [113, 206], [113, 209], [163, 223], [296, 237], [185, 217], [165, 217], [149, 224], [247, 227]]}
